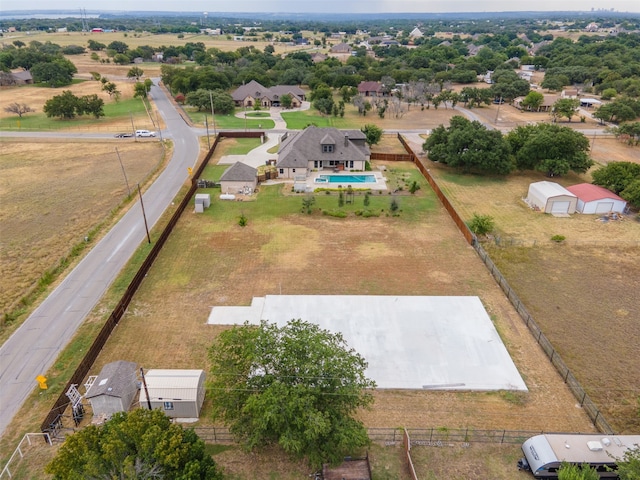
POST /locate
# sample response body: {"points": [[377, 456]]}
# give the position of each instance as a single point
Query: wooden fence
{"points": [[53, 421]]}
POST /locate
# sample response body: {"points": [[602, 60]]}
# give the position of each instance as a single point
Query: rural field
{"points": [[582, 293], [74, 188]]}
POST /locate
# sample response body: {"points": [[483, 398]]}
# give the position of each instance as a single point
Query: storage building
{"points": [[597, 199], [550, 197], [178, 393], [239, 178], [114, 389]]}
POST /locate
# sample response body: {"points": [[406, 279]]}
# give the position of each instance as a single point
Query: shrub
{"points": [[415, 186], [335, 213], [393, 206], [242, 220], [558, 238], [367, 199], [481, 224]]}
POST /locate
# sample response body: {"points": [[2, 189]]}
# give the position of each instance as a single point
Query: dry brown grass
{"points": [[206, 264], [52, 194]]}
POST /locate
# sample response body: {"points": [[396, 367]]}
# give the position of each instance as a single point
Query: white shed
{"points": [[178, 393], [597, 199], [550, 197], [114, 389]]}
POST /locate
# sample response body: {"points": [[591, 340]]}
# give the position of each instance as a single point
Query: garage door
{"points": [[604, 207], [560, 207]]}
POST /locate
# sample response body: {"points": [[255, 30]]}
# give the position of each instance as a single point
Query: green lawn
{"points": [[243, 146], [258, 114], [230, 121], [299, 120], [272, 202], [121, 110]]}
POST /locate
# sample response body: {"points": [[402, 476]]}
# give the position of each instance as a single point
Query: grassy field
{"points": [[72, 188], [582, 293]]}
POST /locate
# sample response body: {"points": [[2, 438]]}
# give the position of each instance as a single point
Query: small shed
{"points": [[114, 389], [551, 197], [597, 199], [178, 393], [239, 178]]}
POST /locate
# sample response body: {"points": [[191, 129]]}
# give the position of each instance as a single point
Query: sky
{"points": [[328, 6]]}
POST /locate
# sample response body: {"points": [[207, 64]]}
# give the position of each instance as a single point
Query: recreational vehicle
{"points": [[544, 454]]}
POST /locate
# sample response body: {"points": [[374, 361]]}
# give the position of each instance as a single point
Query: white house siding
{"points": [[284, 172], [237, 187]]}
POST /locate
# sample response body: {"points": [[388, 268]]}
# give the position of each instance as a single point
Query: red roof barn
{"points": [[596, 199]]}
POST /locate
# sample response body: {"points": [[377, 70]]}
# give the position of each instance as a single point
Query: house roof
{"points": [[239, 172], [256, 90], [23, 75], [171, 385], [587, 192], [299, 148], [369, 86], [341, 48], [115, 380], [550, 189]]}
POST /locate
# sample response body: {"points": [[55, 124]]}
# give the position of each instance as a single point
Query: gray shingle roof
{"points": [[301, 147], [255, 90], [115, 380], [239, 172]]}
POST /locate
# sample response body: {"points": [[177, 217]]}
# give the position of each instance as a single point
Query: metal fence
{"points": [[585, 401]]}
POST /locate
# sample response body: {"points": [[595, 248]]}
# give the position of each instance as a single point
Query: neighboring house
{"points": [[416, 33], [545, 106], [341, 49], [370, 89], [569, 93], [590, 102], [253, 93], [321, 148], [597, 199], [22, 77], [550, 197], [157, 57], [113, 390], [317, 57], [474, 49], [239, 178], [178, 393]]}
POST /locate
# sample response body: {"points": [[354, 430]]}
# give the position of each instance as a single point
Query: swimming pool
{"points": [[348, 179]]}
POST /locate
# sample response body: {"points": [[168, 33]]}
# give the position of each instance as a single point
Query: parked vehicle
{"points": [[544, 454], [145, 133]]}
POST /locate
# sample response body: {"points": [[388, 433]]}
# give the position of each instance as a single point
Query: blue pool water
{"points": [[348, 179]]}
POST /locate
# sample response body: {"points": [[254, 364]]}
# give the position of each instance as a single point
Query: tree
{"points": [[118, 47], [297, 386], [141, 89], [112, 89], [373, 133], [470, 146], [63, 106], [481, 224], [565, 107], [629, 464], [135, 72], [550, 148], [533, 101], [568, 471], [616, 176], [57, 73], [18, 108], [286, 100], [96, 46], [91, 105], [632, 193], [138, 444]]}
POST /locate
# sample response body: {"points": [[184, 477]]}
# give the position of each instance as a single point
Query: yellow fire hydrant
{"points": [[42, 381]]}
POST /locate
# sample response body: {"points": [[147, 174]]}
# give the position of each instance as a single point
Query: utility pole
{"points": [[144, 215], [133, 128], [498, 112], [146, 390], [123, 172], [206, 124], [213, 113]]}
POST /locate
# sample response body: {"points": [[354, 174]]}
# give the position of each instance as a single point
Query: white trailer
{"points": [[544, 454]]}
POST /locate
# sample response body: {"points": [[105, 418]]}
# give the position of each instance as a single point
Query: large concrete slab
{"points": [[410, 342]]}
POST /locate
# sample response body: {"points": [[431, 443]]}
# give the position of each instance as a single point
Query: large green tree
{"points": [[63, 106], [201, 98], [565, 107], [470, 146], [142, 444], [297, 386], [57, 73], [616, 176], [373, 133], [550, 148]]}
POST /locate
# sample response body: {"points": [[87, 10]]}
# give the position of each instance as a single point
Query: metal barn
{"points": [[178, 393], [595, 199], [550, 197]]}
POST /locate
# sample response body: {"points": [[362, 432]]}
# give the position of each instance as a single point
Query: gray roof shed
{"points": [[239, 172]]}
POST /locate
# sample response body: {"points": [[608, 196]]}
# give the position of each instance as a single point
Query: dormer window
{"points": [[327, 148]]}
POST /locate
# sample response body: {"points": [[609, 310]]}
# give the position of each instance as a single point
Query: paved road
{"points": [[33, 348]]}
